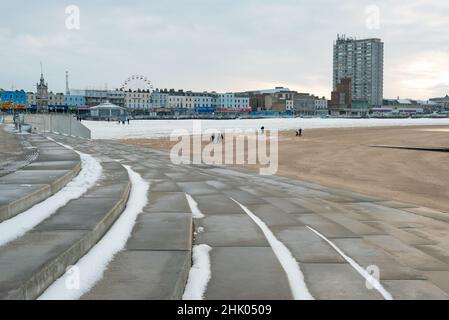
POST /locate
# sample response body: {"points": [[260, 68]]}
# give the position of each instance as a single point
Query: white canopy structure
{"points": [[107, 110]]}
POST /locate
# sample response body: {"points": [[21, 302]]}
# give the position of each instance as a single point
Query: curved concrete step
{"points": [[29, 264], [157, 258], [51, 170], [15, 152]]}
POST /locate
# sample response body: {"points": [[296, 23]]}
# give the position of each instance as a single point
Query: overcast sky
{"points": [[221, 45]]}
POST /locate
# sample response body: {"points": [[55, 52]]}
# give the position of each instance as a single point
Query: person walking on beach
{"points": [[212, 138], [262, 129]]}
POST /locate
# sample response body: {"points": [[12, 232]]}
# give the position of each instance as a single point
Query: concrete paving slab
{"points": [[272, 216], [326, 227], [112, 172], [217, 204], [162, 231], [435, 251], [355, 226], [286, 204], [262, 193], [108, 189], [165, 186], [79, 214], [401, 234], [57, 155], [407, 255], [306, 246], [52, 165], [219, 185], [44, 143], [28, 256], [356, 197], [154, 174], [197, 188], [414, 290], [391, 215], [143, 275], [366, 254], [33, 176], [336, 198], [18, 198], [244, 197], [396, 204], [432, 237], [229, 230], [440, 279], [330, 281], [168, 202], [430, 213], [246, 273], [308, 204], [187, 177]]}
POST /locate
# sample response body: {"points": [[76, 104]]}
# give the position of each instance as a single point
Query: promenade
{"points": [[248, 221]]}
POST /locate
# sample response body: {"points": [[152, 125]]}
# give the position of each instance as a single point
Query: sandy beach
{"points": [[344, 158]]}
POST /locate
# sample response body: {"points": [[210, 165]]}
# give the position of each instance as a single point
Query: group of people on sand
{"points": [[217, 137], [298, 132], [123, 121]]}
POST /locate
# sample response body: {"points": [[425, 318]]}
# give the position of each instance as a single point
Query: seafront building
{"points": [[13, 96], [42, 95], [443, 101], [137, 100], [360, 60]]}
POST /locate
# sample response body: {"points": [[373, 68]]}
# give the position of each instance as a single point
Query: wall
{"points": [[61, 124]]}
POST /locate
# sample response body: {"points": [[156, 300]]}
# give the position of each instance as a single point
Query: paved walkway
{"points": [[409, 245], [15, 151], [35, 168], [328, 232]]}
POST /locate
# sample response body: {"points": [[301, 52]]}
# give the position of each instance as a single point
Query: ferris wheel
{"points": [[137, 82]]}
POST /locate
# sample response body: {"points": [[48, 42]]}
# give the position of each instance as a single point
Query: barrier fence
{"points": [[56, 123]]}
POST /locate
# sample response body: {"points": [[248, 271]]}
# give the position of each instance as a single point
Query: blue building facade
{"points": [[17, 97], [74, 100]]}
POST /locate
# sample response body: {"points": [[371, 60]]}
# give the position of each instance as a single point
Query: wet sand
{"points": [[343, 158]]}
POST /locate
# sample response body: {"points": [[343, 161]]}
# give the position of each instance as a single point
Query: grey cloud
{"points": [[213, 45]]}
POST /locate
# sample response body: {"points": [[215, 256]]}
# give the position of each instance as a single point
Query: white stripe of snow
{"points": [[372, 280], [163, 128], [17, 226], [196, 213], [199, 274], [287, 261], [92, 266]]}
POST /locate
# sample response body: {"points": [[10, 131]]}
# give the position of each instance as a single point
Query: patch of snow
{"points": [[10, 128], [163, 128], [196, 213], [18, 225], [199, 274], [200, 230], [92, 266], [286, 259], [368, 277]]}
